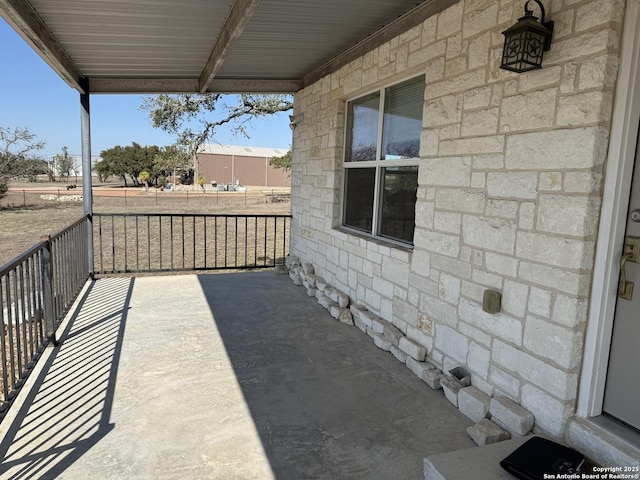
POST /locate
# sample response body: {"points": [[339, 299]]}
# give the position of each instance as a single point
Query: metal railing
{"points": [[37, 289], [130, 242]]}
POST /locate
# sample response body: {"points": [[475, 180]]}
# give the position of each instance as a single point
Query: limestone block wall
{"points": [[510, 182]]}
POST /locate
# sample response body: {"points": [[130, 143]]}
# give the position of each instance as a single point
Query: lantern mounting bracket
{"points": [[548, 25]]}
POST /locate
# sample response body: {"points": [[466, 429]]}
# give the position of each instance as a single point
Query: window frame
{"points": [[379, 164]]}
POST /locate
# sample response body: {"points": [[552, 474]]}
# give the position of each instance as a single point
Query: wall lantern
{"points": [[525, 42]]}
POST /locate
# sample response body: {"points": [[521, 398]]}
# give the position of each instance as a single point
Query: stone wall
{"points": [[510, 181]]}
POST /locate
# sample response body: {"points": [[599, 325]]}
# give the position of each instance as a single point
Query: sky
{"points": [[32, 95]]}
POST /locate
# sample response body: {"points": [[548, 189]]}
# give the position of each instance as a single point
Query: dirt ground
{"points": [[31, 210]]}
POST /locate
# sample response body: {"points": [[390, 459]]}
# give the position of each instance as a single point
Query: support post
{"points": [[47, 291], [87, 193]]}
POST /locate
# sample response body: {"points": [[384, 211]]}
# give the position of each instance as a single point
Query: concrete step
{"points": [[478, 463]]}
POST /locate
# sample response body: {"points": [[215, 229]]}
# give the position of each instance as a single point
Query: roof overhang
{"points": [[222, 46]]}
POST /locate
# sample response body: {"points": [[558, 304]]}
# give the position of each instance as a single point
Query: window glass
{"points": [[359, 192], [398, 208], [362, 128], [402, 123], [379, 197]]}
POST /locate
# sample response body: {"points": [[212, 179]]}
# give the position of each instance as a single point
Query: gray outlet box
{"points": [[491, 301]]}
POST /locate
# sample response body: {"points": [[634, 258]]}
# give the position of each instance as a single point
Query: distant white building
{"points": [[76, 165]]}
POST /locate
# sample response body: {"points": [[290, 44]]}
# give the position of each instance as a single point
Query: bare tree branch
{"points": [[173, 113], [17, 159]]}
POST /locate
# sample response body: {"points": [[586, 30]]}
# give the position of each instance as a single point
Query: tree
{"points": [[175, 114], [172, 113], [171, 160], [16, 155], [64, 164], [283, 162], [112, 163], [139, 159], [28, 168], [127, 161], [145, 177]]}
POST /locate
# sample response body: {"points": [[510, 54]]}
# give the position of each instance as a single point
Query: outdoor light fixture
{"points": [[525, 42], [294, 120]]}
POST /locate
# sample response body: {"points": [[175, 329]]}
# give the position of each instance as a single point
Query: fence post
{"points": [[58, 195], [47, 287], [24, 198]]}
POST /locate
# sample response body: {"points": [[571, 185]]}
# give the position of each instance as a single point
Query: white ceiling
{"points": [[171, 46]]}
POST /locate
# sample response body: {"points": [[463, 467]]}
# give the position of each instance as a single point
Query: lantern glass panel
{"points": [[523, 51]]}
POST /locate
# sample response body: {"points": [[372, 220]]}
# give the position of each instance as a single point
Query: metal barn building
{"points": [[246, 165]]}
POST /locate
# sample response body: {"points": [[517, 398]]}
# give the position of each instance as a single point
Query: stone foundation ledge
{"points": [[333, 300], [497, 419], [602, 440]]}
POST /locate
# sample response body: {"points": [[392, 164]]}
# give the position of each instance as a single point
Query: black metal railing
{"points": [[130, 242], [37, 289]]}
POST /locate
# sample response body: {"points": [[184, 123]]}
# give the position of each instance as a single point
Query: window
{"points": [[381, 161]]}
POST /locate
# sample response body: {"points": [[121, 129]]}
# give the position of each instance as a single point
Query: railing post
{"points": [[47, 290]]}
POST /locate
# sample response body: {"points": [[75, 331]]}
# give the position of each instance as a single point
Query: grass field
{"points": [[32, 210]]}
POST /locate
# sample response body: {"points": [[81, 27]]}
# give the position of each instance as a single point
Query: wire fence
{"points": [[126, 199]]}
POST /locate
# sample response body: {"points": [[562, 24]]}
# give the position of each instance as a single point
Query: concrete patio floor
{"points": [[228, 376]]}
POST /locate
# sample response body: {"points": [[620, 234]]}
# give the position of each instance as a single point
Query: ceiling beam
{"points": [[26, 21], [142, 85], [239, 15], [412, 18], [248, 85], [186, 85]]}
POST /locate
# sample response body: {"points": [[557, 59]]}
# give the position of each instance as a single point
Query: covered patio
{"points": [[220, 376], [517, 188]]}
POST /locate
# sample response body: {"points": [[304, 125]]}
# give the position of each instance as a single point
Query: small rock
{"points": [[451, 386], [296, 278], [360, 324], [345, 316], [486, 432], [412, 348], [418, 368], [433, 378], [290, 261], [392, 334], [321, 284], [381, 342], [511, 416], [473, 403], [399, 354]]}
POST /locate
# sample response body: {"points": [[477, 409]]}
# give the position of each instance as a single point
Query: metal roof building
{"points": [[245, 165]]}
